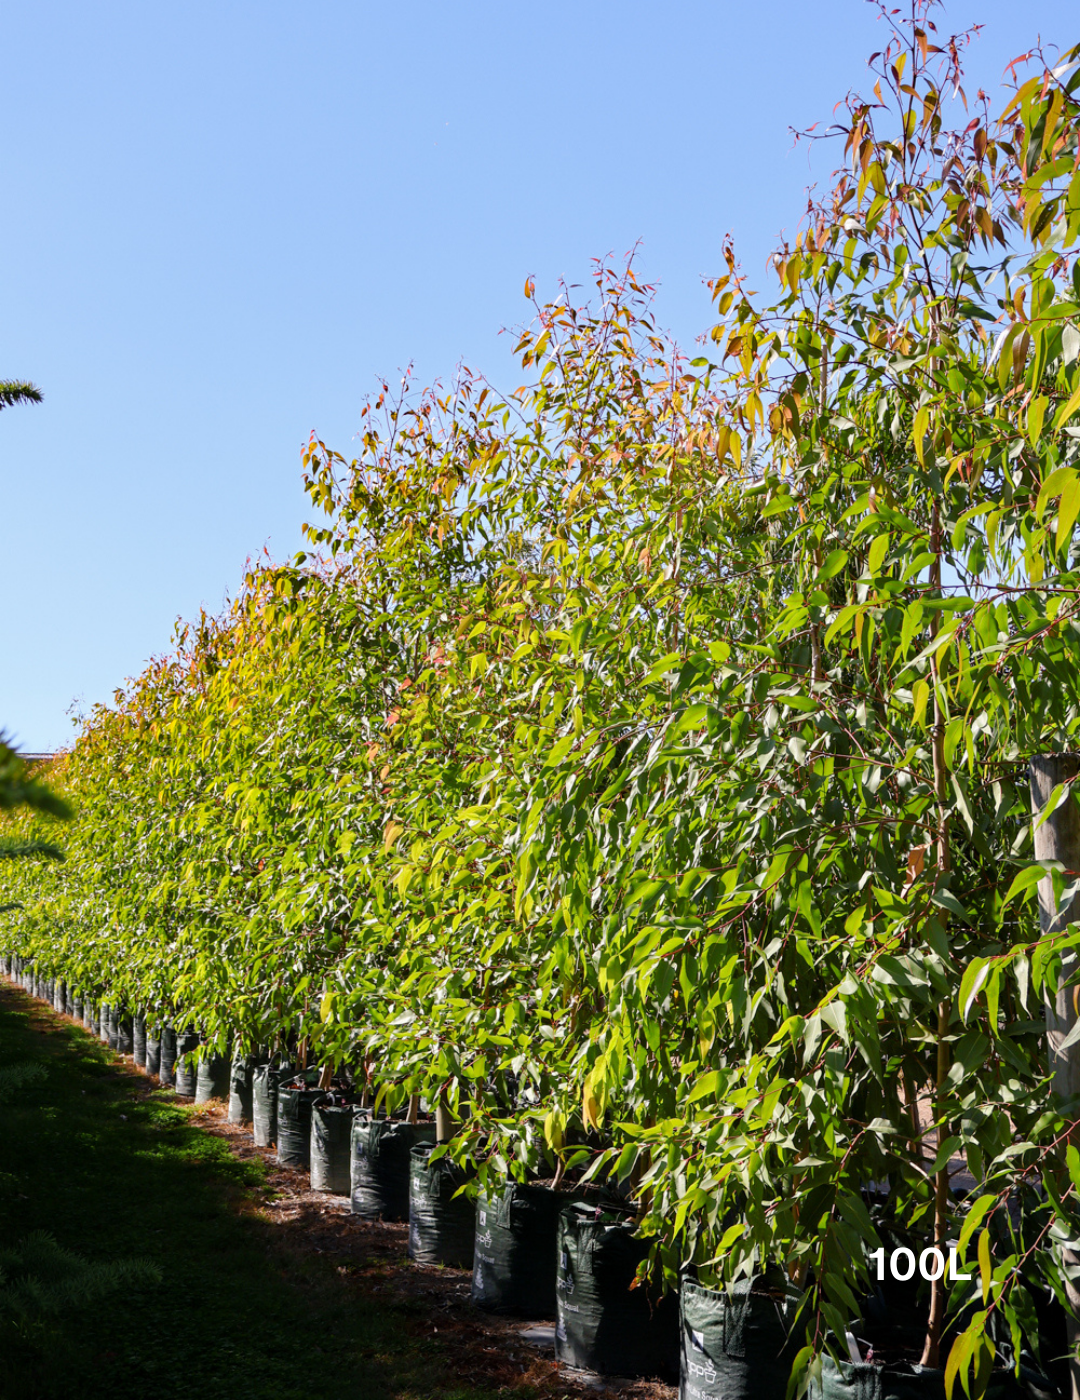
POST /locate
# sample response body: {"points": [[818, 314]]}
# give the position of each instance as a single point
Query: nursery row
{"points": [[536, 1250], [639, 771]]}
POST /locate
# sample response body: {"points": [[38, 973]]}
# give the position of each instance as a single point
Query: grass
{"points": [[115, 1172]]}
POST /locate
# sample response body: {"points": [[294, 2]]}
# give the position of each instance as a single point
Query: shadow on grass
{"points": [[113, 1169]]}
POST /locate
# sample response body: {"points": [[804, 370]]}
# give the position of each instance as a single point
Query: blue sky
{"points": [[221, 222]]}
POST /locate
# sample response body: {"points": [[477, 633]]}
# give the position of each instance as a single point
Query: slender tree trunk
{"points": [[939, 1287], [1058, 838], [445, 1122], [413, 1115]]}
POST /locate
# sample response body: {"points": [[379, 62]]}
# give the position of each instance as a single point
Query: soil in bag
{"points": [[380, 1165], [905, 1380], [603, 1323], [138, 1041], [241, 1087], [442, 1224], [514, 1261], [167, 1064], [331, 1135], [737, 1344], [153, 1053], [212, 1079], [294, 1102], [186, 1073]]}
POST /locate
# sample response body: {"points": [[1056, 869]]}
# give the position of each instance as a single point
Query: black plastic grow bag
{"points": [[294, 1103], [442, 1224], [212, 1079], [264, 1089], [903, 1381], [138, 1041], [167, 1063], [104, 1017], [241, 1088], [153, 1053], [515, 1258], [331, 1137], [186, 1074], [603, 1323], [380, 1164], [737, 1344], [125, 1034]]}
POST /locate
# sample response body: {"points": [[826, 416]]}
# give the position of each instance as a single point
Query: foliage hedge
{"points": [[637, 765]]}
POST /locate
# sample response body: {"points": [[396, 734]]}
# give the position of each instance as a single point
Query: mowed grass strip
{"points": [[115, 1170]]}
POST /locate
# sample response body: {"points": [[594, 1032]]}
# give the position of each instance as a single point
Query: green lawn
{"points": [[113, 1172]]}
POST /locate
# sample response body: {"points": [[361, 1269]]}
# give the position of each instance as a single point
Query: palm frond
{"points": [[13, 391]]}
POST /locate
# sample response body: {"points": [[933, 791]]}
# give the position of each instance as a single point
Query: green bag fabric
{"points": [[125, 1033], [186, 1071], [264, 1102], [294, 1103], [241, 1088], [104, 1017], [78, 1011], [153, 1054], [138, 1041], [114, 1028], [212, 1079], [602, 1323], [515, 1256], [442, 1224], [167, 1070], [848, 1380], [331, 1136], [380, 1165], [736, 1344]]}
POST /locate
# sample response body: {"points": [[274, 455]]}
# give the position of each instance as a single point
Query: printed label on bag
{"points": [[485, 1238]]}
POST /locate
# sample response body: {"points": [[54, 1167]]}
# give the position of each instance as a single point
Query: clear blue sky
{"points": [[222, 221]]}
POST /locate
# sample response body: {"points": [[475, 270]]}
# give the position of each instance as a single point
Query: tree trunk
{"points": [[1058, 838], [935, 1326], [445, 1122]]}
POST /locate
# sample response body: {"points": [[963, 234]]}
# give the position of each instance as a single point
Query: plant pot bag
{"points": [[138, 1041], [241, 1088], [602, 1323], [167, 1067], [186, 1072], [264, 1106], [380, 1165], [104, 1016], [212, 1079], [736, 1344], [331, 1137], [125, 1034], [901, 1381], [442, 1224], [294, 1126], [515, 1257], [153, 1054]]}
